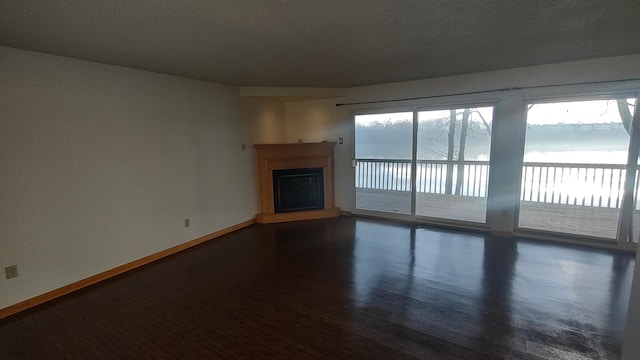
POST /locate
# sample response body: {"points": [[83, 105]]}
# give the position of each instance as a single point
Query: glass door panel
{"points": [[452, 170], [574, 167], [383, 148]]}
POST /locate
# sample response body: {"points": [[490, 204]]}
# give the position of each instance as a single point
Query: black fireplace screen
{"points": [[298, 189]]}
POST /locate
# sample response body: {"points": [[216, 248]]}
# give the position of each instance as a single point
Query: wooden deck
{"points": [[570, 219]]}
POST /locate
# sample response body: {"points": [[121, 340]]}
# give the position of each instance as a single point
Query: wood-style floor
{"points": [[343, 288]]}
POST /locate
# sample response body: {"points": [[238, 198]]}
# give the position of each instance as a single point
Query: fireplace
{"points": [[295, 182], [298, 189]]}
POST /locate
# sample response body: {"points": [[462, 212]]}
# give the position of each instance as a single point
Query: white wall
{"points": [[100, 165]]}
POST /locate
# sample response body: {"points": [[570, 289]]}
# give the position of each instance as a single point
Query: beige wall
{"points": [[321, 120], [266, 120], [102, 164]]}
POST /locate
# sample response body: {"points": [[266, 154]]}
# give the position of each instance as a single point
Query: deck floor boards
{"points": [[561, 218]]}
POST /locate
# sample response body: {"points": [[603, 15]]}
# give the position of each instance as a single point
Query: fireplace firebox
{"points": [[298, 189]]}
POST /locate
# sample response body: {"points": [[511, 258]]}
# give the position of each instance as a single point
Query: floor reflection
{"points": [[498, 265], [514, 297], [619, 292]]}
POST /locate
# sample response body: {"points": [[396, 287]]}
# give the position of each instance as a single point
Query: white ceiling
{"points": [[322, 43]]}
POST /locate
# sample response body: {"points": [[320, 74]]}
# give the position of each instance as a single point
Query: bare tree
{"points": [[464, 122], [448, 186], [463, 143], [625, 114], [486, 124]]}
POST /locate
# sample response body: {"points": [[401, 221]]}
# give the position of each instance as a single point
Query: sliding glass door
{"points": [[426, 163], [574, 166], [453, 163], [383, 149]]}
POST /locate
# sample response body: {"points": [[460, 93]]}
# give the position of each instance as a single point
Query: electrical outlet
{"points": [[187, 222], [11, 271], [340, 140]]}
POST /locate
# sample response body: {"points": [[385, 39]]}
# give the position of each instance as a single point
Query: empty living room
{"points": [[319, 179]]}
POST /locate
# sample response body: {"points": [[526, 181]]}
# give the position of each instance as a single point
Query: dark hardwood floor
{"points": [[343, 288]]}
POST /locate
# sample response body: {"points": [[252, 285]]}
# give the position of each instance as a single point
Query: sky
{"points": [[576, 112]]}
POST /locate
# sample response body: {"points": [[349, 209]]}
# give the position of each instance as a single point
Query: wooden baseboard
{"points": [[40, 299]]}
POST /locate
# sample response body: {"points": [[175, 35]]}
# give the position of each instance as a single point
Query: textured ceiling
{"points": [[322, 43]]}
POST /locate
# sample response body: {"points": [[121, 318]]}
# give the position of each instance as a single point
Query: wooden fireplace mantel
{"points": [[294, 156]]}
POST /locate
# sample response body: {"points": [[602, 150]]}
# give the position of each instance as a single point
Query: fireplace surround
{"points": [[309, 168]]}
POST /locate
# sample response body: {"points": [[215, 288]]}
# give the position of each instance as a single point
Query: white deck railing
{"points": [[596, 185]]}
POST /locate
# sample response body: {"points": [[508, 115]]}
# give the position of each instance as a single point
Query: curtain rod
{"points": [[514, 88]]}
